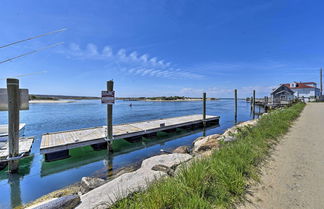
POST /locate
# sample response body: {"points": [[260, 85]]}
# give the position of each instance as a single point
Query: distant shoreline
{"points": [[40, 101]]}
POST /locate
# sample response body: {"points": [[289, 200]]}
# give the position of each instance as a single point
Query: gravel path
{"points": [[294, 176]]}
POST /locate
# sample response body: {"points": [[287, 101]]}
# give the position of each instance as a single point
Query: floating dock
{"points": [[4, 129], [25, 145], [56, 145]]}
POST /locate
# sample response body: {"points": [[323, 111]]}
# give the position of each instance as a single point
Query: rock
{"points": [[164, 169], [125, 170], [229, 139], [229, 134], [65, 202], [89, 183], [169, 160], [128, 183], [182, 149], [206, 143]]}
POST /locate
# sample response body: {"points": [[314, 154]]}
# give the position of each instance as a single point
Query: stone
{"points": [[169, 160], [164, 169], [65, 202], [182, 149], [89, 183], [128, 183], [206, 143]]}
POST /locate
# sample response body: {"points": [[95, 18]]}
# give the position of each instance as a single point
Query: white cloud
{"points": [[92, 49], [121, 53], [133, 55], [144, 57], [133, 64], [107, 51]]}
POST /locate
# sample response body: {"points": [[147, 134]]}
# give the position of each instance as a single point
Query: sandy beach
{"points": [[50, 101]]}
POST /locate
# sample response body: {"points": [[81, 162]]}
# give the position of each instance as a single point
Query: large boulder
{"points": [[182, 150], [65, 202], [203, 144], [229, 134], [122, 186], [89, 183]]}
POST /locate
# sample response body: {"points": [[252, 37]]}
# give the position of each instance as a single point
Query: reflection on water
{"points": [[37, 177]]}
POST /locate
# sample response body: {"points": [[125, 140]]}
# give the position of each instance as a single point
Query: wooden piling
{"points": [[204, 108], [13, 126], [253, 110], [110, 87], [235, 105]]}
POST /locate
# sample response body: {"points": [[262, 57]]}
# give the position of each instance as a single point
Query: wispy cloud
{"points": [[131, 63]]}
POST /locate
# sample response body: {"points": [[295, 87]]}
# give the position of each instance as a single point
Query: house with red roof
{"points": [[304, 89]]}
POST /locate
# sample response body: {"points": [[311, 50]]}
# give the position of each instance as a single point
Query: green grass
{"points": [[219, 181]]}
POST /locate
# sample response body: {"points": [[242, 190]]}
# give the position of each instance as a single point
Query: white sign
{"points": [[24, 99], [108, 97]]}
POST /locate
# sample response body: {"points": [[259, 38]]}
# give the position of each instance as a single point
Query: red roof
{"points": [[300, 85]]}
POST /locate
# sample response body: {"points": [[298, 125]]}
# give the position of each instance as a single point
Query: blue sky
{"points": [[163, 47]]}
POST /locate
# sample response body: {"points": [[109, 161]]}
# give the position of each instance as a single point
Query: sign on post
{"points": [[108, 97], [24, 99]]}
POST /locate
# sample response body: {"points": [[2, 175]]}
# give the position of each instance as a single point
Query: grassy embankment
{"points": [[220, 181]]}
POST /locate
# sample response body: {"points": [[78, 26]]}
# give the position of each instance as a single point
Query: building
{"points": [[282, 94], [304, 89]]}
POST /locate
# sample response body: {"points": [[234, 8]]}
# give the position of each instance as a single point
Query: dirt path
{"points": [[294, 176]]}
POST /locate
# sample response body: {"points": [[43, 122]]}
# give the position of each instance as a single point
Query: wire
{"points": [[38, 36], [32, 52]]}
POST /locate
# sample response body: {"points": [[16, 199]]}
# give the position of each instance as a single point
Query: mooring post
{"points": [[253, 110], [235, 105], [13, 118], [204, 108], [110, 87]]}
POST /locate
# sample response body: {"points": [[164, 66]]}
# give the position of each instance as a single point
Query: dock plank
{"points": [[53, 142], [4, 129], [25, 145]]}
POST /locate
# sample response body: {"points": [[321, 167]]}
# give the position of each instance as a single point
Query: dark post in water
{"points": [[235, 105], [253, 110], [110, 87], [13, 129], [204, 108]]}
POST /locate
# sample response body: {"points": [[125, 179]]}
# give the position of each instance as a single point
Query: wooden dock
{"points": [[25, 145], [60, 142], [4, 129]]}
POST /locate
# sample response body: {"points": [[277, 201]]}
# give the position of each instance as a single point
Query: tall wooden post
{"points": [[13, 118], [253, 110], [110, 87], [235, 105], [204, 108]]}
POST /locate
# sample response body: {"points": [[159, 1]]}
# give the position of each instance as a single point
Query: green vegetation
{"points": [[219, 181]]}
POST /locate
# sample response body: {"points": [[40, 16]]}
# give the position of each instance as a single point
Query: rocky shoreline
{"points": [[99, 193]]}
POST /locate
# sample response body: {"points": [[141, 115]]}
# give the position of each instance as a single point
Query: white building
{"points": [[304, 89]]}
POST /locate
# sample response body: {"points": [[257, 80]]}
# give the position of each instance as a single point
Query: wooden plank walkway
{"points": [[60, 141], [25, 145], [4, 129]]}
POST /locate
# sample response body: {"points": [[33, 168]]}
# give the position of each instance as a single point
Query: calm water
{"points": [[37, 178]]}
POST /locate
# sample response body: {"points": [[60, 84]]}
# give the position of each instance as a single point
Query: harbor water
{"points": [[37, 177]]}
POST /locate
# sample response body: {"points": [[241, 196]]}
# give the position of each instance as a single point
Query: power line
{"points": [[32, 52], [38, 36]]}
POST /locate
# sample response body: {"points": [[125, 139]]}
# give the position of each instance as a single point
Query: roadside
{"points": [[294, 176]]}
